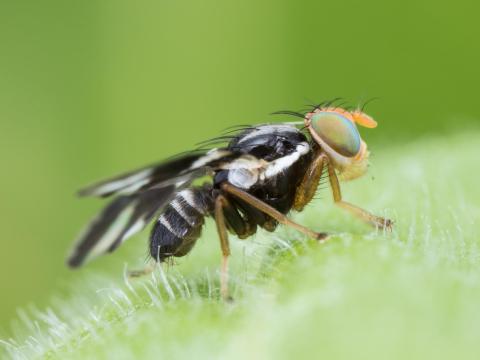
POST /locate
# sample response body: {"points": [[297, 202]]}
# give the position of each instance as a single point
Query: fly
{"points": [[263, 173]]}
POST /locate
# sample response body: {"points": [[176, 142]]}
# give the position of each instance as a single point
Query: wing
{"points": [[156, 174], [123, 217], [142, 194]]}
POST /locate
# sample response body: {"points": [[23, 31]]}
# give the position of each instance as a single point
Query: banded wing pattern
{"points": [[157, 174], [122, 218], [143, 194]]}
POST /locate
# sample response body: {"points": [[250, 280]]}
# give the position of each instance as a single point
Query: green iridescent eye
{"points": [[337, 131]]}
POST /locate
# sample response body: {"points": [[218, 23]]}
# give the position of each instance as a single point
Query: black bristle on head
{"points": [[343, 103], [217, 140], [331, 102], [362, 108], [237, 127], [319, 105], [289, 112]]}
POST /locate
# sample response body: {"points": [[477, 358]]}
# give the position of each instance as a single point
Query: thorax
{"points": [[286, 152]]}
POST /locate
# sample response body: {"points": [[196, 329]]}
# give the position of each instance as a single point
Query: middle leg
{"points": [[269, 210]]}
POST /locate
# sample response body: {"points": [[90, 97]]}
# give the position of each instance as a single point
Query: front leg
{"points": [[364, 215], [308, 187]]}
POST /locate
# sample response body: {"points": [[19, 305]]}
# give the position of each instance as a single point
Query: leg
{"points": [[237, 222], [309, 184], [220, 202], [355, 210], [270, 211]]}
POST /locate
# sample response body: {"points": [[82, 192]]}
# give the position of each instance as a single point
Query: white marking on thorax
{"points": [[244, 162], [277, 166], [243, 178], [268, 129]]}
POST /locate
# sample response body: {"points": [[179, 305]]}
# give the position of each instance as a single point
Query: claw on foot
{"points": [[322, 236], [386, 224], [228, 299]]}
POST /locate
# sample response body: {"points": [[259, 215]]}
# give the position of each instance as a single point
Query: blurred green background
{"points": [[89, 89]]}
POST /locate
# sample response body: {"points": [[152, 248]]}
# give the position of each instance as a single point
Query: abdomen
{"points": [[180, 225]]}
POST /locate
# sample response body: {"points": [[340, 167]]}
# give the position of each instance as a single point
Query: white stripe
{"points": [[277, 166], [135, 228], [245, 162], [212, 155], [115, 185], [243, 178], [165, 223], [268, 129], [135, 186], [189, 198], [112, 233], [178, 208]]}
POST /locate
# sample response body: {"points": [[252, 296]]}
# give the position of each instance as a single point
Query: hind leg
{"points": [[220, 204], [242, 224]]}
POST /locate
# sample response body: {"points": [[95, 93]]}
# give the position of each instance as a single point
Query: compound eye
{"points": [[337, 131]]}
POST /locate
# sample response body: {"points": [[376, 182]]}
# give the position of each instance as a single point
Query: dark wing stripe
{"points": [[97, 229], [123, 217], [137, 179], [149, 204]]}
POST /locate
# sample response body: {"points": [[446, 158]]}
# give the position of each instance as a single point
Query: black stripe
{"points": [[159, 172], [145, 206], [163, 242], [203, 198], [178, 224], [98, 227]]}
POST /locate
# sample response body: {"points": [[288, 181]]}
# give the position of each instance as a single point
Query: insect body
{"points": [[263, 173]]}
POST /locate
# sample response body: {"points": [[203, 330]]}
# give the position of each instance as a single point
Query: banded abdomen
{"points": [[180, 225]]}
